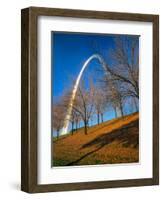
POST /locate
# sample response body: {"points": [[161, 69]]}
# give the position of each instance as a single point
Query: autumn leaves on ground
{"points": [[111, 142]]}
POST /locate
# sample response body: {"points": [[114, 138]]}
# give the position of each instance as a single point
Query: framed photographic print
{"points": [[90, 100]]}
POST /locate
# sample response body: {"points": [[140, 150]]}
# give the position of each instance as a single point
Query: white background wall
{"points": [[10, 98]]}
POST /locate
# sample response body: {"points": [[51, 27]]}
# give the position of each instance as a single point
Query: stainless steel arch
{"points": [[69, 111]]}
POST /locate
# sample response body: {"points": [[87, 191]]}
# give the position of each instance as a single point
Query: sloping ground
{"points": [[114, 141]]}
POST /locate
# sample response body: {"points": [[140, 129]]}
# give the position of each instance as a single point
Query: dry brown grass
{"points": [[114, 141]]}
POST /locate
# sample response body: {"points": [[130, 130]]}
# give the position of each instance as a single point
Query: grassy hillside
{"points": [[114, 141]]}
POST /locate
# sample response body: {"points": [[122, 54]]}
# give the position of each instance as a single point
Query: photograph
{"points": [[95, 99]]}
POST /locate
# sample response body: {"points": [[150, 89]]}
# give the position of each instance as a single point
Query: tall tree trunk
{"points": [[121, 109], [136, 106], [102, 119], [72, 126], [57, 133], [115, 110], [98, 118], [85, 127], [76, 125]]}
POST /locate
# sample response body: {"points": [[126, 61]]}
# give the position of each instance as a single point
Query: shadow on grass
{"points": [[127, 136], [82, 157]]}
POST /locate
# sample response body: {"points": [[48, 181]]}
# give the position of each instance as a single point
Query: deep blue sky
{"points": [[70, 51]]}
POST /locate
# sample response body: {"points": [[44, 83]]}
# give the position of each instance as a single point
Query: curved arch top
{"points": [[94, 56]]}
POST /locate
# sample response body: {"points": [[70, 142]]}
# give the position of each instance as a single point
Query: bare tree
{"points": [[125, 64], [84, 105], [121, 80], [57, 117], [132, 105], [72, 119], [114, 96], [100, 102], [75, 119]]}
